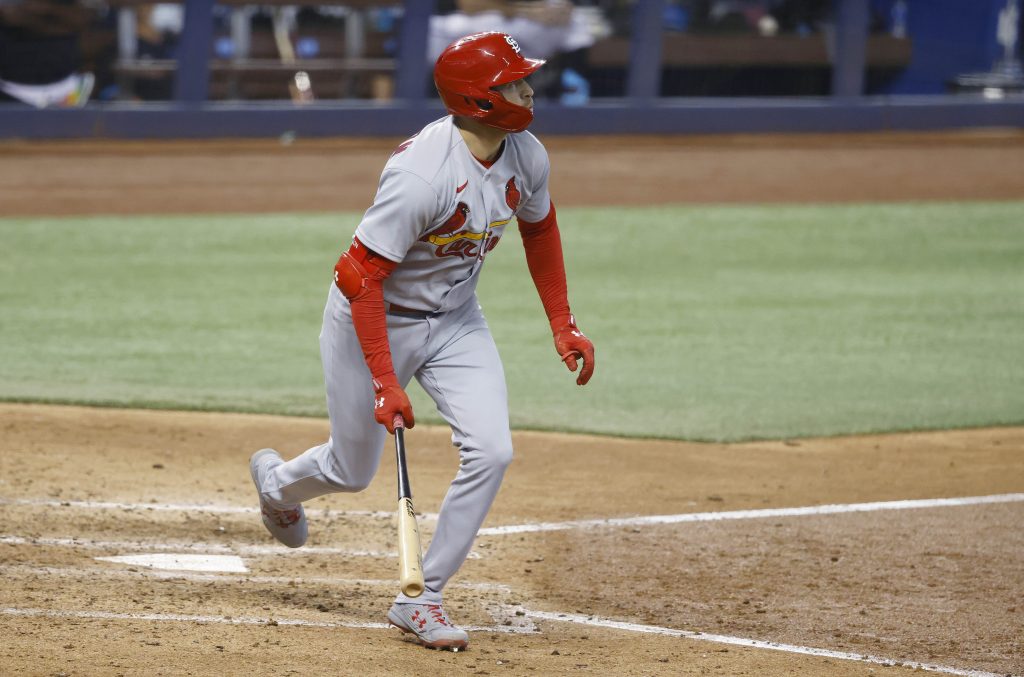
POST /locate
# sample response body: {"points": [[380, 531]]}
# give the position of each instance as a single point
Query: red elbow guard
{"points": [[360, 275], [350, 276], [358, 267]]}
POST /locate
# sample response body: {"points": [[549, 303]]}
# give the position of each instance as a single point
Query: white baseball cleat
{"points": [[429, 624], [287, 525]]}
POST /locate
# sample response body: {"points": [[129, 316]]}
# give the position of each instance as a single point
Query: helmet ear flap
{"points": [[482, 104]]}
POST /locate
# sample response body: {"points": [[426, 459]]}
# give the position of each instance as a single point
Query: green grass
{"points": [[711, 323]]}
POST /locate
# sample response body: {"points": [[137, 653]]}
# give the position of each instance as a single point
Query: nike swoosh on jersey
{"points": [[462, 187]]}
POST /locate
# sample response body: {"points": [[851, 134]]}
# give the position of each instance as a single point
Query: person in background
{"points": [[555, 30], [40, 56], [749, 16]]}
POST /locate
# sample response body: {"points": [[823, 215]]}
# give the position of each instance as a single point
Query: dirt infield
{"points": [[940, 585], [727, 583], [341, 174]]}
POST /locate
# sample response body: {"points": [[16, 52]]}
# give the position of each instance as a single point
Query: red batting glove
{"points": [[389, 399], [572, 345]]}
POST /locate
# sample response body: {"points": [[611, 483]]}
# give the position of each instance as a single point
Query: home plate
{"points": [[183, 562]]}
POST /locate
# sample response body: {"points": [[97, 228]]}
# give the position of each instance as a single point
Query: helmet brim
{"points": [[518, 72]]}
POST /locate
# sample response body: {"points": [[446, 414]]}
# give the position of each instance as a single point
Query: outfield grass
{"points": [[711, 323]]}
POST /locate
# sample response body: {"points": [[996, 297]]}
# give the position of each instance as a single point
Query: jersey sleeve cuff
{"points": [[377, 247]]}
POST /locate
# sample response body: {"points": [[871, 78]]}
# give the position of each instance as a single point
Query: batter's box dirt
{"points": [[937, 586]]}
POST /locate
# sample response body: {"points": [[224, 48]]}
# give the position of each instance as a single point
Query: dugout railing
{"points": [[640, 110]]}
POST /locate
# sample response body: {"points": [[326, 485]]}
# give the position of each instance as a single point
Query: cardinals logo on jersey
{"points": [[512, 194], [453, 239], [448, 240], [455, 222]]}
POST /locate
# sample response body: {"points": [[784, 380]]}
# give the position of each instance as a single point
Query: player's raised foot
{"points": [[429, 624], [285, 523]]}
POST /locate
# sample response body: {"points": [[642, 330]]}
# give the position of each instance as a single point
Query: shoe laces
{"points": [[438, 613]]}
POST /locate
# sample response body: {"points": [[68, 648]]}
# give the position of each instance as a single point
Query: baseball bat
{"points": [[410, 559]]}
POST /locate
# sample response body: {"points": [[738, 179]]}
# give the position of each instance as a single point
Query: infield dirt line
{"points": [[594, 621], [198, 547], [538, 615], [106, 572], [197, 507], [532, 527], [236, 620], [835, 509], [192, 546]]}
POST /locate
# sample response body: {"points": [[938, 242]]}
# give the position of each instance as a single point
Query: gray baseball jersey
{"points": [[438, 211]]}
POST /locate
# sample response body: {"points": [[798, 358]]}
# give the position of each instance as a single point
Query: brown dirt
{"points": [[939, 585], [341, 174]]}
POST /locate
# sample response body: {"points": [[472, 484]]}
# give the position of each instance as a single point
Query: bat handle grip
{"points": [[398, 422]]}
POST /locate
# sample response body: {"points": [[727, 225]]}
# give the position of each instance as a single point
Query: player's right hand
{"points": [[389, 399]]}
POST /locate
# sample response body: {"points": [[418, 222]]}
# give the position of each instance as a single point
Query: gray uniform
{"points": [[438, 212]]}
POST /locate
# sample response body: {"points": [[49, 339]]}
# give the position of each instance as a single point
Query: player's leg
{"points": [[466, 380], [348, 461]]}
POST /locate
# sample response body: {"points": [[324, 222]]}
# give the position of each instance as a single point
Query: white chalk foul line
{"points": [[750, 514], [177, 561], [539, 615], [108, 572], [197, 507], [752, 643], [200, 547], [234, 620], [803, 511]]}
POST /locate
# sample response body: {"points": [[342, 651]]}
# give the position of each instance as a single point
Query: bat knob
{"points": [[398, 422]]}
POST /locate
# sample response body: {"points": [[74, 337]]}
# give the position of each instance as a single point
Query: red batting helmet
{"points": [[470, 66]]}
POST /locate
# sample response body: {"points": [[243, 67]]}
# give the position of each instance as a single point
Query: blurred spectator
{"points": [[802, 16], [40, 56], [556, 30], [753, 16], [158, 31]]}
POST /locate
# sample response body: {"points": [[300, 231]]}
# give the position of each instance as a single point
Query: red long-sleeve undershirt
{"points": [[543, 245], [368, 316]]}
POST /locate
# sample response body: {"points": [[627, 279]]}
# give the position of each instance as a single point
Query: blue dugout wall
{"points": [[641, 111], [950, 36]]}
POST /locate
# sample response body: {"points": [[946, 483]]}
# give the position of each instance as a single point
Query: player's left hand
{"points": [[573, 345]]}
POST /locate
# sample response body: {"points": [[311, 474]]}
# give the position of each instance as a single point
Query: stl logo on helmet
{"points": [[512, 43]]}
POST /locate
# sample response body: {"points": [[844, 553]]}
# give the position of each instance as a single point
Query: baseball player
{"points": [[403, 305]]}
